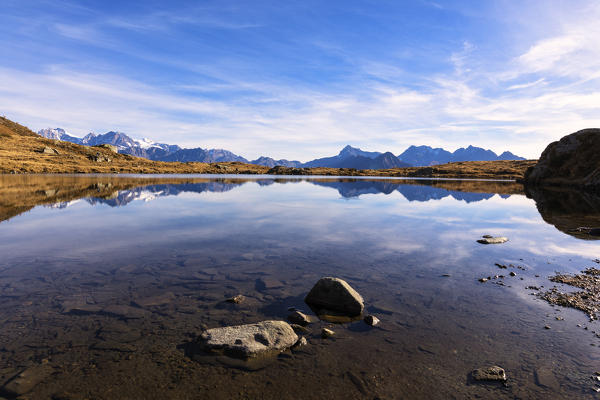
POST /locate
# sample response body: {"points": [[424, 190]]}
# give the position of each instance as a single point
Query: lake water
{"points": [[105, 279]]}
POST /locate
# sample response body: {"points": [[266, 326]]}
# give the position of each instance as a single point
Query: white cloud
{"points": [[519, 103]]}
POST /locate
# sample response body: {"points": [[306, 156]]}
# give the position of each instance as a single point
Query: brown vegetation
{"points": [[21, 152]]}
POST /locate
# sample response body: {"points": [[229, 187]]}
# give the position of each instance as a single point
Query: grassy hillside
{"points": [[22, 151]]}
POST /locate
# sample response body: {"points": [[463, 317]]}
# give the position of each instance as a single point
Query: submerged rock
{"points": [[326, 333], [236, 299], [371, 320], [493, 373], [301, 342], [157, 300], [299, 328], [545, 377], [334, 294], [300, 318], [487, 239], [26, 380], [250, 340]]}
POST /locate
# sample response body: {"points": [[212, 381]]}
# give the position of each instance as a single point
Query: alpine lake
{"points": [[107, 280]]}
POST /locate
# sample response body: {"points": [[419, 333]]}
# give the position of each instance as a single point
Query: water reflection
{"points": [[18, 193], [412, 191], [106, 293], [571, 211]]}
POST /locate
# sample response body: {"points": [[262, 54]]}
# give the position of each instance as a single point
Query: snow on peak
{"points": [[146, 143]]}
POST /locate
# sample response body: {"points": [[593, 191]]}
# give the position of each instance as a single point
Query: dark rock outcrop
{"points": [[574, 160]]}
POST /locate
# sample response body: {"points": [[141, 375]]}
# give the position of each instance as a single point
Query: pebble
{"points": [[299, 318], [299, 328], [371, 320], [301, 342], [547, 327], [512, 273], [325, 333], [236, 299], [493, 373]]}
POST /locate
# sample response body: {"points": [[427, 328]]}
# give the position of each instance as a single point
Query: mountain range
{"points": [[348, 157]]}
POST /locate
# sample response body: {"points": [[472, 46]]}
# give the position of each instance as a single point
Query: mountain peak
{"points": [[58, 134], [350, 151]]}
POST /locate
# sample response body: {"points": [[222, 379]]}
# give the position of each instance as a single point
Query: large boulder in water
{"points": [[572, 161], [251, 340], [334, 294]]}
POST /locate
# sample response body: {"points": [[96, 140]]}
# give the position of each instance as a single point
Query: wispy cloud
{"points": [[517, 100]]}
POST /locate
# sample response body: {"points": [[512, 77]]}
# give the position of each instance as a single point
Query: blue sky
{"points": [[300, 79]]}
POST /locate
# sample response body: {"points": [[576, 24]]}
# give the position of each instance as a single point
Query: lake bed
{"points": [[105, 279]]}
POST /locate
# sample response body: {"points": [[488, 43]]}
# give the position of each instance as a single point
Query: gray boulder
{"points": [[48, 150], [574, 160], [334, 294], [251, 340]]}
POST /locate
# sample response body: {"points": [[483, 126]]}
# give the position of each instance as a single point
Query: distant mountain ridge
{"points": [[59, 134], [421, 156], [348, 157], [352, 157]]}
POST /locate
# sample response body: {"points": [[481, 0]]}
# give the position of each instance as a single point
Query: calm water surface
{"points": [[105, 279]]}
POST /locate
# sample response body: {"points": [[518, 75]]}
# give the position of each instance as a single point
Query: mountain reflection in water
{"points": [[412, 190], [567, 210]]}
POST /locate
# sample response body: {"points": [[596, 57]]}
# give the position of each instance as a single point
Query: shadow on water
{"points": [[574, 212]]}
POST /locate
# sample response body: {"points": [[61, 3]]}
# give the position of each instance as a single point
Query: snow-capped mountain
{"points": [[348, 157], [126, 145], [59, 134]]}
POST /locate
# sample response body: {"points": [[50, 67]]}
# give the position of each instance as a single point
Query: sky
{"points": [[301, 79]]}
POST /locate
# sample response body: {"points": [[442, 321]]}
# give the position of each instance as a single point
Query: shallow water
{"points": [[105, 279]]}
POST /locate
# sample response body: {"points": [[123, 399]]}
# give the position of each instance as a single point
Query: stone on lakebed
{"points": [[251, 340], [487, 239], [336, 295], [493, 373]]}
